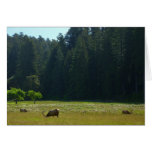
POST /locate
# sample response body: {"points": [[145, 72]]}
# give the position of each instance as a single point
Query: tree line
{"points": [[86, 63]]}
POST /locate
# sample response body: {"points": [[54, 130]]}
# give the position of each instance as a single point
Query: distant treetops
{"points": [[87, 63], [19, 95]]}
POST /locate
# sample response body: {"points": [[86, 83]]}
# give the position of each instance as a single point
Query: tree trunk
{"points": [[16, 101], [136, 84], [34, 101]]}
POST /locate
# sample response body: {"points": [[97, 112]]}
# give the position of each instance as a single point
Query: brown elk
{"points": [[126, 112], [54, 112], [23, 110]]}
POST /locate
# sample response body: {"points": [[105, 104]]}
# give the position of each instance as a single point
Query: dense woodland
{"points": [[86, 63]]}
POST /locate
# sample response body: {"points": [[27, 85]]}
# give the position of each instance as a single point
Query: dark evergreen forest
{"points": [[86, 63]]}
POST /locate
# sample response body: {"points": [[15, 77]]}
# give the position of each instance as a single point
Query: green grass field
{"points": [[75, 113]]}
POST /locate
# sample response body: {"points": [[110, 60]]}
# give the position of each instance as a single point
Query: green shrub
{"points": [[34, 95], [15, 94]]}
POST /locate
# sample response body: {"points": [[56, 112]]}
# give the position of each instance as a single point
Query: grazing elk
{"points": [[23, 110], [84, 112], [54, 112], [126, 112]]}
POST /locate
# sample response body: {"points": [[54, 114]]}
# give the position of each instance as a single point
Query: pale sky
{"points": [[45, 32]]}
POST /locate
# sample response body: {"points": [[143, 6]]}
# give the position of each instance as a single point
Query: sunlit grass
{"points": [[75, 113]]}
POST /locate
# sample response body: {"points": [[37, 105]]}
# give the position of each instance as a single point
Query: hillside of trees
{"points": [[86, 63]]}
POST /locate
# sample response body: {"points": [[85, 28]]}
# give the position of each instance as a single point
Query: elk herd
{"points": [[55, 112]]}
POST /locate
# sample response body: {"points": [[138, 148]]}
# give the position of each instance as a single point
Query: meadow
{"points": [[75, 113]]}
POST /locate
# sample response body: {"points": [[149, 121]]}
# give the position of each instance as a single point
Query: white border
{"points": [[74, 138]]}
